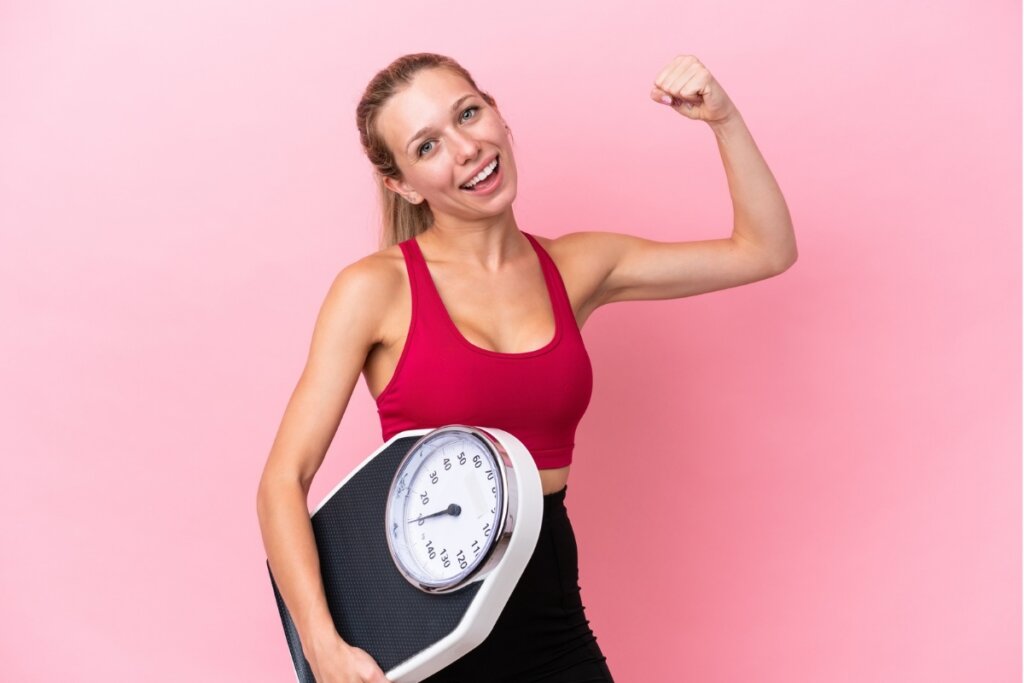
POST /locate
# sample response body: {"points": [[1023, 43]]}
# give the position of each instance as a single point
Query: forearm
{"points": [[760, 214], [292, 554]]}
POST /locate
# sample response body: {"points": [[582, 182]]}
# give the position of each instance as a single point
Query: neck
{"points": [[488, 245]]}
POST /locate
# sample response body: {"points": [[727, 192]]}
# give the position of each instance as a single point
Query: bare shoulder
{"points": [[386, 267], [584, 260], [584, 246], [368, 287]]}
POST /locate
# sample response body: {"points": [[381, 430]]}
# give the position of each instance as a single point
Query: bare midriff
{"points": [[554, 480]]}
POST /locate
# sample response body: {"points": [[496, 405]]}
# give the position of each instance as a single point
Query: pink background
{"points": [[825, 466]]}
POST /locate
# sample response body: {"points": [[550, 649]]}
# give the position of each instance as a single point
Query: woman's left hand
{"points": [[693, 90]]}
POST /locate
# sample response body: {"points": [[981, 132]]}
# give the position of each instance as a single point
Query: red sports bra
{"points": [[441, 378]]}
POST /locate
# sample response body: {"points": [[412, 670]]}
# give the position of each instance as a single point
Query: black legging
{"points": [[542, 633]]}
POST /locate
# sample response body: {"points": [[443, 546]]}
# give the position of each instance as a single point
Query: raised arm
{"points": [[346, 328], [762, 244]]}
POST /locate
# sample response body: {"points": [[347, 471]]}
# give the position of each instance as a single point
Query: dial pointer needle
{"points": [[453, 510]]}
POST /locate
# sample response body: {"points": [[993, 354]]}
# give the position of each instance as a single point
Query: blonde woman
{"points": [[457, 293]]}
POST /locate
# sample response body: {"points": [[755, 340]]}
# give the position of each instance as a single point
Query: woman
{"points": [[459, 292]]}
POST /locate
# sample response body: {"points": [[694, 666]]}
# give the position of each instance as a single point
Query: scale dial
{"points": [[448, 508]]}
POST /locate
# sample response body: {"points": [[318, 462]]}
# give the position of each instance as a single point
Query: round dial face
{"points": [[445, 507]]}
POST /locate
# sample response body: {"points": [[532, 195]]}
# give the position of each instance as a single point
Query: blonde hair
{"points": [[401, 220]]}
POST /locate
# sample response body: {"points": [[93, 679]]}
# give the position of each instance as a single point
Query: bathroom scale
{"points": [[421, 546]]}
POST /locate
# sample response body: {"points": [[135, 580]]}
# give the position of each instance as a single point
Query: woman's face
{"points": [[441, 131]]}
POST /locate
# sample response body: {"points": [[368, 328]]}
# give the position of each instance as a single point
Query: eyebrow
{"points": [[426, 129]]}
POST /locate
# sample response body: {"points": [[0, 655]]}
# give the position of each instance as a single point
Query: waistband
{"points": [[556, 498]]}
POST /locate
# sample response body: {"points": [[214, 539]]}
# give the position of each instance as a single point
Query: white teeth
{"points": [[483, 174]]}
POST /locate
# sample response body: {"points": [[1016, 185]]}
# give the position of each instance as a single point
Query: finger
{"points": [[697, 86], [687, 84], [666, 81], [659, 95], [676, 66], [679, 84], [660, 78]]}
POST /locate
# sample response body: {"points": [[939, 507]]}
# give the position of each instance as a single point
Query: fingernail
{"points": [[666, 99]]}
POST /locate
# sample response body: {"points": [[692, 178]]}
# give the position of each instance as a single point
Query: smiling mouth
{"points": [[486, 181]]}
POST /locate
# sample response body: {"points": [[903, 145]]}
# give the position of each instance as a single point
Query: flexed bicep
{"points": [[629, 268]]}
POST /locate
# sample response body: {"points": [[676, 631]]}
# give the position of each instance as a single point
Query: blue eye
{"points": [[474, 108]]}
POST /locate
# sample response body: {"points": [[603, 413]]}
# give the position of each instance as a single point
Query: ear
{"points": [[503, 122], [403, 189]]}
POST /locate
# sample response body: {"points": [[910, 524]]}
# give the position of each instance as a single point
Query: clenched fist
{"points": [[688, 87]]}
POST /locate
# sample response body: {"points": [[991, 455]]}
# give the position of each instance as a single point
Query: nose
{"points": [[466, 147]]}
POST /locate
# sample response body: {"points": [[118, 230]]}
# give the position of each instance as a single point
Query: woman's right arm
{"points": [[347, 327]]}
